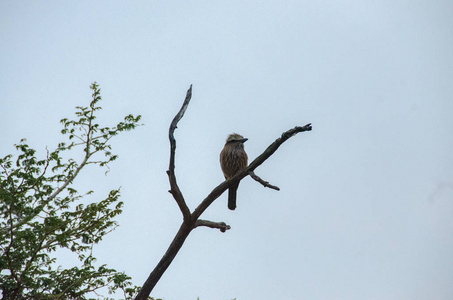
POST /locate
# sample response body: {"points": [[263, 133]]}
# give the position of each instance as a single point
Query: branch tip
{"points": [[263, 182], [175, 191], [222, 226]]}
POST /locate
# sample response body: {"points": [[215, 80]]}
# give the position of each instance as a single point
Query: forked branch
{"points": [[191, 220]]}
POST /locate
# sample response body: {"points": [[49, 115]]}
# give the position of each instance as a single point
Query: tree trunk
{"points": [[164, 263]]}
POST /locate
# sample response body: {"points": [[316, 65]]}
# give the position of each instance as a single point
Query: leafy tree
{"points": [[40, 212]]}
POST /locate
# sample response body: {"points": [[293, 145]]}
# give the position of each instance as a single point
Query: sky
{"points": [[365, 209]]}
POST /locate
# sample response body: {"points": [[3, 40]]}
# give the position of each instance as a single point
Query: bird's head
{"points": [[236, 139]]}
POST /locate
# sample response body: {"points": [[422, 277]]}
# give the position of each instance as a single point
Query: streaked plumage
{"points": [[232, 160]]}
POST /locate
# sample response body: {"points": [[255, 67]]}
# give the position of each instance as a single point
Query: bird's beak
{"points": [[243, 140]]}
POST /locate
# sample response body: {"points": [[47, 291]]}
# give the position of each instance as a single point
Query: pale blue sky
{"points": [[365, 209]]}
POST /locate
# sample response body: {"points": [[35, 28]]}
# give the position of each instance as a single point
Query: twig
{"points": [[264, 183], [217, 225]]}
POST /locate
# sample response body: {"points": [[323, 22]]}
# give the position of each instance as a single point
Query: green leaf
{"points": [[39, 201]]}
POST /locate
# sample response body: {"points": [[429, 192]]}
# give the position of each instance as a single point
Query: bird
{"points": [[233, 159]]}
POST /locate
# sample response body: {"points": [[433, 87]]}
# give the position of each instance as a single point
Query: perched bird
{"points": [[232, 160]]}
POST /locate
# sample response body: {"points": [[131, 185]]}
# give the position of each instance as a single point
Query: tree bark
{"points": [[165, 261]]}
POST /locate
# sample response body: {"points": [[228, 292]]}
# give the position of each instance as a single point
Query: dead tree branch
{"points": [[216, 192], [263, 182], [191, 220], [217, 225], [175, 191]]}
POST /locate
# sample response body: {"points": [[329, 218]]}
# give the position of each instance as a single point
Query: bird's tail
{"points": [[232, 197]]}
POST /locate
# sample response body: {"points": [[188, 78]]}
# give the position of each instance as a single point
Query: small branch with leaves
{"points": [[191, 220]]}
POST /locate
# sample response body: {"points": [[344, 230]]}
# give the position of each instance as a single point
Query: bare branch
{"points": [[191, 220], [175, 191], [217, 191], [274, 146], [217, 225], [263, 182]]}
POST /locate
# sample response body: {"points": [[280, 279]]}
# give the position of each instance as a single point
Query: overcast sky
{"points": [[365, 209]]}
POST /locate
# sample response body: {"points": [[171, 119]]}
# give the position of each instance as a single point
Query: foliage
{"points": [[40, 212]]}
